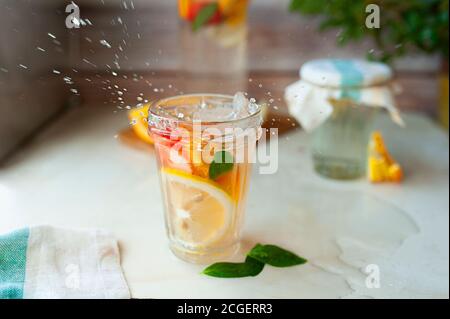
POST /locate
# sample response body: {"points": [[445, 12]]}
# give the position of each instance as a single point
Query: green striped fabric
{"points": [[13, 257], [351, 77]]}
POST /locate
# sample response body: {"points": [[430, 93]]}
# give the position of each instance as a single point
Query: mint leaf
{"points": [[203, 16], [275, 256], [250, 268], [222, 163], [254, 263]]}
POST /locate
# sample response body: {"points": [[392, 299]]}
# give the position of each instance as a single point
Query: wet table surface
{"points": [[83, 176]]}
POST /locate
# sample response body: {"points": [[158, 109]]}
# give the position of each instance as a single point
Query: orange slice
{"points": [[381, 166], [138, 118]]}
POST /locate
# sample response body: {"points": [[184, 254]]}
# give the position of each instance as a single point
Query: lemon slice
{"points": [[199, 211]]}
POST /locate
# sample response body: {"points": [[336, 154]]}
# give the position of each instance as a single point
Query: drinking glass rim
{"points": [[226, 96]]}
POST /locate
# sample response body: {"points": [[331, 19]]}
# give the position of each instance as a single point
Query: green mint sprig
{"points": [[204, 15], [275, 256], [256, 259], [221, 164], [250, 268]]}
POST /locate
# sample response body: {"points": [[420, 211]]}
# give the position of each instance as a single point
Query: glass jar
{"points": [[339, 145], [336, 101]]}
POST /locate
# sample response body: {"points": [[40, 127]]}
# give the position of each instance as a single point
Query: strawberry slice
{"points": [[170, 149]]}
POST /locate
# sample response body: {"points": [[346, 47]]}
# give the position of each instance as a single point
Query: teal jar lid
{"points": [[345, 73]]}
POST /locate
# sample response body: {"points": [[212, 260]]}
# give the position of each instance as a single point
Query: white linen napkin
{"points": [[66, 263], [312, 105]]}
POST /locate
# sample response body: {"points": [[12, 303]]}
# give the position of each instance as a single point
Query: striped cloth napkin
{"points": [[49, 262]]}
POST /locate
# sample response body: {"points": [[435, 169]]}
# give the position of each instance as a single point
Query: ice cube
{"points": [[240, 105], [240, 102]]}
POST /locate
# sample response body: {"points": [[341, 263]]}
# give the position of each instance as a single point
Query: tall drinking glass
{"points": [[205, 147], [214, 53]]}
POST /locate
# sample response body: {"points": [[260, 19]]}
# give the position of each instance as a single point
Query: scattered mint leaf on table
{"points": [[203, 16], [275, 256], [222, 163], [254, 263], [250, 268]]}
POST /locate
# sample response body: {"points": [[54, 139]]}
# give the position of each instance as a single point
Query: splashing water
{"points": [[105, 43], [212, 109]]}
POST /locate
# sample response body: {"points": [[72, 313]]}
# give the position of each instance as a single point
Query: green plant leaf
{"points": [[307, 7], [254, 263], [203, 16], [415, 24], [222, 163], [250, 268], [275, 256]]}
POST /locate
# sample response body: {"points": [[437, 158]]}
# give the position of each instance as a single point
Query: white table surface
{"points": [[77, 174]]}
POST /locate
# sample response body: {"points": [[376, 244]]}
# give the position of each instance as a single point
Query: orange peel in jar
{"points": [[231, 183], [381, 166]]}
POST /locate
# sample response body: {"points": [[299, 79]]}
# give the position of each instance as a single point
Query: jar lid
{"points": [[342, 73]]}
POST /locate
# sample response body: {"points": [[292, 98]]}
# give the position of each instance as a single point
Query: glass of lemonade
{"points": [[205, 145]]}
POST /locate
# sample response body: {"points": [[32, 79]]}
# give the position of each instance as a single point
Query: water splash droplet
{"points": [[105, 43]]}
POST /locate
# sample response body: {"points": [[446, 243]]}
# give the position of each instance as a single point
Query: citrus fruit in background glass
{"points": [[204, 180], [209, 12], [213, 45]]}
